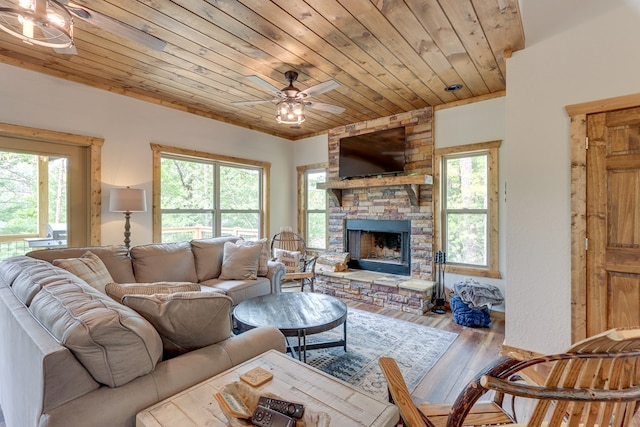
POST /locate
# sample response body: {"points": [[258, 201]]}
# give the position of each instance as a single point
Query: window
{"points": [[202, 195], [312, 205], [47, 182], [468, 206]]}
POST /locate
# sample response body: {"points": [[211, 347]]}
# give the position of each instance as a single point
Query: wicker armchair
{"points": [[595, 383], [290, 249]]}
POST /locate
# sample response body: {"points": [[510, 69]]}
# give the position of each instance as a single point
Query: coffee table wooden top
{"points": [[292, 380], [292, 312]]}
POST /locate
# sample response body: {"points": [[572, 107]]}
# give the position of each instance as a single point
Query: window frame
{"points": [[491, 150], [92, 196], [303, 211], [159, 151]]}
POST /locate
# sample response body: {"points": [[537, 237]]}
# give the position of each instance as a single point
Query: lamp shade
{"points": [[127, 200]]}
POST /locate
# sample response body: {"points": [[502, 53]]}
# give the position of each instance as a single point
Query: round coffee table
{"points": [[295, 314]]}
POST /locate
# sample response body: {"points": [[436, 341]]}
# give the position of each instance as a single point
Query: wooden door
{"points": [[613, 220]]}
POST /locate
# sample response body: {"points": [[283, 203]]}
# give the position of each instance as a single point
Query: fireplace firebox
{"points": [[379, 245]]}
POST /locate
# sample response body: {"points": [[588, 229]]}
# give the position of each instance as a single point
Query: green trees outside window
{"points": [[465, 204], [205, 198], [316, 210], [33, 192]]}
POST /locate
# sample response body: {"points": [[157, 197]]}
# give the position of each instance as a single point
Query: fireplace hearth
{"points": [[379, 245]]}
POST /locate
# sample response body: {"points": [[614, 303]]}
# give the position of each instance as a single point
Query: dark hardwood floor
{"points": [[471, 351]]}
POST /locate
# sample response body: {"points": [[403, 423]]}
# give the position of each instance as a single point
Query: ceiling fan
{"points": [[293, 95], [49, 23], [114, 26]]}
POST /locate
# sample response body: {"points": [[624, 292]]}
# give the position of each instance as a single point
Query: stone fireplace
{"points": [[392, 202], [408, 252], [379, 245]]}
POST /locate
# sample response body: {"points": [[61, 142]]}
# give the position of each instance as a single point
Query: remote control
{"points": [[265, 417], [294, 410]]}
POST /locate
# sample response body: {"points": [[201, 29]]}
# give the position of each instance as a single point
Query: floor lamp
{"points": [[127, 200]]}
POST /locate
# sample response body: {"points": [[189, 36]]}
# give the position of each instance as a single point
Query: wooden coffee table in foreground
{"points": [[292, 380], [295, 314]]}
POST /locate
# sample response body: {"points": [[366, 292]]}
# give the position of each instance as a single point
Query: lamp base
{"points": [[127, 229]]}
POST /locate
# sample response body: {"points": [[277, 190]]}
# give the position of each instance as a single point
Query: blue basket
{"points": [[467, 316]]}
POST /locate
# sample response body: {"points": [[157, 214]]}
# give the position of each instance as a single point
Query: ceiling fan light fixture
{"points": [[290, 112], [41, 22]]}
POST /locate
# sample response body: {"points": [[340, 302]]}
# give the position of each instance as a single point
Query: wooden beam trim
{"points": [[473, 100], [604, 105]]}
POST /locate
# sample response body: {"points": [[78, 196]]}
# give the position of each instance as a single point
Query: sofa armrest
{"points": [[275, 275]]}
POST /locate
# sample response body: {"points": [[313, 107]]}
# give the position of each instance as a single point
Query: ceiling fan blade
{"points": [[116, 27], [271, 88], [321, 88], [71, 50], [252, 102], [329, 108]]}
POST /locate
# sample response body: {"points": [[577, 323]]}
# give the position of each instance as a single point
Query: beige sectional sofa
{"points": [[70, 355], [198, 261]]}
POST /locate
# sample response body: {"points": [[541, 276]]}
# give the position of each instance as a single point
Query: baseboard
{"points": [[497, 314]]}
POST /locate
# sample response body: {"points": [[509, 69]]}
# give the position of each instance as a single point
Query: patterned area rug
{"points": [[416, 348]]}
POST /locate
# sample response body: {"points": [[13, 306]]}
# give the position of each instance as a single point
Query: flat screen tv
{"points": [[369, 154]]}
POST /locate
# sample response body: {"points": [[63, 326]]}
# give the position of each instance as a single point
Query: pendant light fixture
{"points": [[41, 22]]}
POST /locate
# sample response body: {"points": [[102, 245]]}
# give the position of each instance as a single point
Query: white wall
{"points": [[470, 124], [595, 59], [128, 126]]}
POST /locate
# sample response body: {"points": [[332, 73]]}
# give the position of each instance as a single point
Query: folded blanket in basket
{"points": [[478, 294]]}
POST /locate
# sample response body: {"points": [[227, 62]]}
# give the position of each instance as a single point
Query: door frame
{"points": [[95, 161], [578, 114]]}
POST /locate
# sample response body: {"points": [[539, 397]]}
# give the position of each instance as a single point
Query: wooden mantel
{"points": [[410, 184]]}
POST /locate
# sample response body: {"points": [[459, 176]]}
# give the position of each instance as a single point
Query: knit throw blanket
{"points": [[464, 315]]}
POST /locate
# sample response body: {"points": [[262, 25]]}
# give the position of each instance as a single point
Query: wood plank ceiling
{"points": [[388, 56]]}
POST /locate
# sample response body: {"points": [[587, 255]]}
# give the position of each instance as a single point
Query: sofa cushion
{"points": [[115, 258], [164, 262], [32, 275], [240, 290], [208, 255], [113, 342], [185, 320], [263, 269], [118, 290], [89, 267], [240, 262]]}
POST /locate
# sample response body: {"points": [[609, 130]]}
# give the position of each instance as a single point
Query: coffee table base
{"points": [[302, 347]]}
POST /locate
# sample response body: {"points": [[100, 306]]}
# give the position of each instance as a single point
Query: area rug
{"points": [[416, 348]]}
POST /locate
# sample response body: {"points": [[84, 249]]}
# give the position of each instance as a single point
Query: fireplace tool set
{"points": [[437, 297]]}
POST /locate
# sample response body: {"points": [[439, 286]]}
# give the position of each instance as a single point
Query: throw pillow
{"points": [[240, 262], [185, 320], [290, 259], [263, 269], [208, 255], [89, 267], [117, 291]]}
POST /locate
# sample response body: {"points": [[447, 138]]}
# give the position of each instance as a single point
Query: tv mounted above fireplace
{"points": [[376, 153]]}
